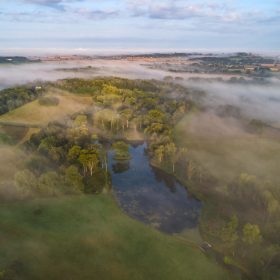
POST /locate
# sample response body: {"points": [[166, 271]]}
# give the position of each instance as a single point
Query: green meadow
{"points": [[89, 237], [33, 113]]}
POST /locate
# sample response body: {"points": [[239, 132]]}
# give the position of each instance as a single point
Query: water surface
{"points": [[152, 196]]}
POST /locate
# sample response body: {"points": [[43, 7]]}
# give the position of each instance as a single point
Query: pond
{"points": [[150, 195]]}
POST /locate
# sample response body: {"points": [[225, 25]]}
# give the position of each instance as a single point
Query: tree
{"points": [[109, 89], [121, 150], [190, 169], [171, 152], [103, 156], [26, 183], [56, 153], [247, 188], [49, 146], [89, 160], [80, 120], [155, 116], [73, 153], [272, 204], [50, 184], [251, 234], [156, 128], [80, 123], [159, 153], [73, 180], [126, 115], [93, 161], [106, 118], [229, 231], [38, 164]]}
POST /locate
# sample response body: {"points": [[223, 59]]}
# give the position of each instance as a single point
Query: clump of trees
{"points": [[13, 98], [121, 105], [243, 224], [49, 183], [63, 161]]}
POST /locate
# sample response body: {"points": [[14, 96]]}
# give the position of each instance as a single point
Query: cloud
{"points": [[197, 12], [172, 12], [179, 22], [163, 10], [59, 6], [203, 11], [97, 14], [56, 4]]}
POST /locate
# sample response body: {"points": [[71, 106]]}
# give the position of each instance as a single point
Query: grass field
{"points": [[17, 124], [88, 237], [35, 114]]}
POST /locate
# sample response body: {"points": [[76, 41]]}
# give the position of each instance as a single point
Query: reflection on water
{"points": [[120, 166], [152, 196]]}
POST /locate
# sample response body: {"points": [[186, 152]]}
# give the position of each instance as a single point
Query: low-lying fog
{"points": [[260, 101], [11, 75]]}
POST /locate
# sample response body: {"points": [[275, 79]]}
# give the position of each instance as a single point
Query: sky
{"points": [[111, 25]]}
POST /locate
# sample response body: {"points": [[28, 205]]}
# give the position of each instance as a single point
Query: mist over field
{"points": [[11, 75], [256, 100]]}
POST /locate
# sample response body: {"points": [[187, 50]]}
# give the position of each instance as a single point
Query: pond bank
{"points": [[150, 195]]}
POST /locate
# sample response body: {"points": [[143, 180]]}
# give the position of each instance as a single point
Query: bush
{"points": [[5, 139], [48, 101]]}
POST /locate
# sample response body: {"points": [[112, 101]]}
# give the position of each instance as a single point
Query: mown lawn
{"points": [[88, 237]]}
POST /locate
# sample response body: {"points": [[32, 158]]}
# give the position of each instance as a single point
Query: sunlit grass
{"points": [[35, 114]]}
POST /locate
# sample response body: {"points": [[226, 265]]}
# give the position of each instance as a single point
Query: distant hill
{"points": [[16, 60]]}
